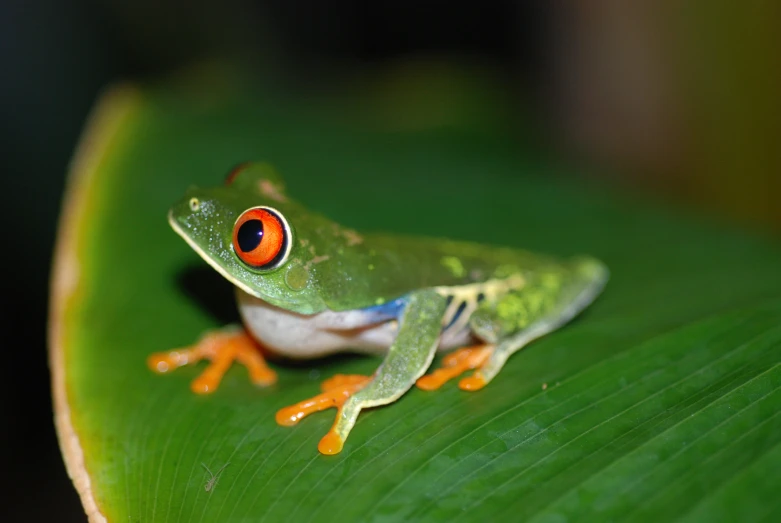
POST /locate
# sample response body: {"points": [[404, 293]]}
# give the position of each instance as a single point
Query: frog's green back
{"points": [[384, 267]]}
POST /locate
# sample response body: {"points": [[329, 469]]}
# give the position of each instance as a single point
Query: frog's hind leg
{"points": [[407, 359], [529, 313], [221, 348]]}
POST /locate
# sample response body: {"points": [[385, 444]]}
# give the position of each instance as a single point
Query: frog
{"points": [[307, 287]]}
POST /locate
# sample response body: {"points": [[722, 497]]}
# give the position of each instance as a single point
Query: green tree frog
{"points": [[307, 287]]}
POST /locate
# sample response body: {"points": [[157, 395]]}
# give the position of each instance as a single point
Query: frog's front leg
{"points": [[407, 359], [221, 347]]}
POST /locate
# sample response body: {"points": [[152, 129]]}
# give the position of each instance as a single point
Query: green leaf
{"points": [[661, 401]]}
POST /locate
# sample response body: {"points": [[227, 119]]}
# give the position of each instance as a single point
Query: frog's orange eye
{"points": [[261, 238]]}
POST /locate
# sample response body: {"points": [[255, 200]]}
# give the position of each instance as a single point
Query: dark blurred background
{"points": [[672, 99]]}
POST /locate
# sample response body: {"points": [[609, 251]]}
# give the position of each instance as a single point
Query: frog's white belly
{"points": [[309, 336]]}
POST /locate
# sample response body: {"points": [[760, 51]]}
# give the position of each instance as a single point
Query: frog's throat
{"points": [[208, 259]]}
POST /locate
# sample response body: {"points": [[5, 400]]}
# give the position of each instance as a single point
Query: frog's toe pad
{"points": [[221, 348], [330, 444], [472, 383], [455, 364]]}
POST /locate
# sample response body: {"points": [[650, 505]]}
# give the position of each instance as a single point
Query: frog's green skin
{"points": [[509, 296]]}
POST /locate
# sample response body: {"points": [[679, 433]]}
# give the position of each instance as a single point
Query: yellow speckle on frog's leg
{"points": [[371, 266], [534, 302], [296, 277], [550, 281], [510, 306], [454, 265]]}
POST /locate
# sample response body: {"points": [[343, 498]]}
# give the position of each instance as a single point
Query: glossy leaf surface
{"points": [[661, 401]]}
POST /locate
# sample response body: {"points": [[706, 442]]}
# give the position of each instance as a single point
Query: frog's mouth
{"points": [[177, 227]]}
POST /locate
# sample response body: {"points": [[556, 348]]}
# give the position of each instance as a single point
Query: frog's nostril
{"points": [[195, 204]]}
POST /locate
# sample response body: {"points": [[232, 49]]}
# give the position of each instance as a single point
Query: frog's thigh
{"points": [[527, 314], [406, 361]]}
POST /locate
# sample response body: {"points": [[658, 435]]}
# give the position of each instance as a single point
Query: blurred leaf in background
{"points": [[678, 99]]}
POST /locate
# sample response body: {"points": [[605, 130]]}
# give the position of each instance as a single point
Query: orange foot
{"points": [[455, 364], [336, 391], [221, 348]]}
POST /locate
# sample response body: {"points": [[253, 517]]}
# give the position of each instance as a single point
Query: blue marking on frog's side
{"points": [[387, 311]]}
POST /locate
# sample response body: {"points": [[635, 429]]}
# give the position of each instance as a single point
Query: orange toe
{"points": [[330, 444], [161, 363], [337, 390], [472, 383], [221, 348], [454, 365], [249, 356]]}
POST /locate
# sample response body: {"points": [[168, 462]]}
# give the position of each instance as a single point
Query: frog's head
{"points": [[245, 230]]}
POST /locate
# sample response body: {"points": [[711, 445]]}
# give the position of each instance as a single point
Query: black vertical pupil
{"points": [[250, 234]]}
